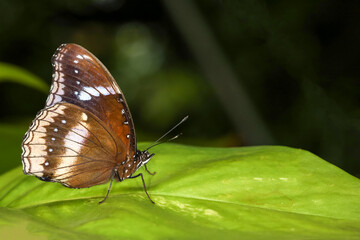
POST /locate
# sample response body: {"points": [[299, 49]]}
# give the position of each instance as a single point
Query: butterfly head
{"points": [[144, 156]]}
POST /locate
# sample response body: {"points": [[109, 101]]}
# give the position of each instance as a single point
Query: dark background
{"points": [[247, 72]]}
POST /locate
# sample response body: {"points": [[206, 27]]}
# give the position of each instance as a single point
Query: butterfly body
{"points": [[85, 135]]}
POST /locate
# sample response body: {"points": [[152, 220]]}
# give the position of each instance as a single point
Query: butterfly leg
{"points": [[142, 178], [151, 173], [107, 194]]}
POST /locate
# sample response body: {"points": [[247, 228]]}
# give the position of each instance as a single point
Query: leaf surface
{"points": [[266, 192]]}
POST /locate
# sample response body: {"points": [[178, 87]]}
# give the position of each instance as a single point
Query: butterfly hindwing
{"points": [[70, 145]]}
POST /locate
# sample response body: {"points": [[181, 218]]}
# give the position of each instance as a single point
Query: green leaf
{"points": [[10, 145], [12, 73], [213, 193]]}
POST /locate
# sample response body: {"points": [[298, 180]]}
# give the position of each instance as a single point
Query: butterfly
{"points": [[85, 135]]}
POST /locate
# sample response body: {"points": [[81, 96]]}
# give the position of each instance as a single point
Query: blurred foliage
{"points": [[13, 73], [11, 138], [297, 59]]}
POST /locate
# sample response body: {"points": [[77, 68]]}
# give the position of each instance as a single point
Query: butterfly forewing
{"points": [[81, 79], [69, 145]]}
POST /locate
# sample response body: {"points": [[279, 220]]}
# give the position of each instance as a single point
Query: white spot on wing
{"points": [[84, 117], [63, 121], [84, 96], [61, 76], [56, 76], [57, 99], [86, 57], [58, 88], [92, 91], [49, 98], [104, 91]]}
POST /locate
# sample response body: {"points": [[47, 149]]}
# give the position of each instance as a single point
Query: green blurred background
{"points": [[248, 72]]}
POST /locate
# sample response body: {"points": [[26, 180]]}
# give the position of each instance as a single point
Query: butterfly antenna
{"points": [[157, 142]]}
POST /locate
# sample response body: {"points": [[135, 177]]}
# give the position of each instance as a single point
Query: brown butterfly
{"points": [[85, 135]]}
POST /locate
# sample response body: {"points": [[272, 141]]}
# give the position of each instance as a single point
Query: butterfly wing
{"points": [[70, 145], [85, 132], [81, 79]]}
